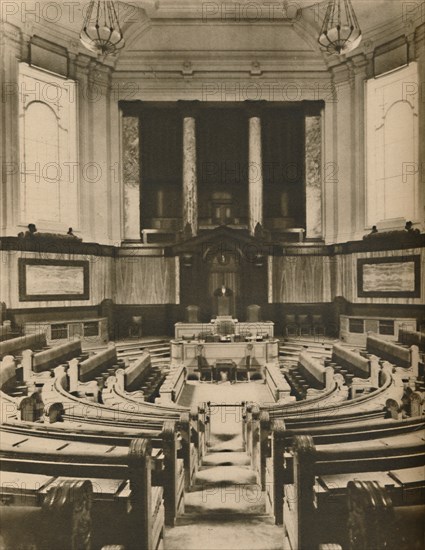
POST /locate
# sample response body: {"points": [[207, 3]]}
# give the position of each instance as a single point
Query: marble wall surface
{"points": [[131, 177], [313, 176]]}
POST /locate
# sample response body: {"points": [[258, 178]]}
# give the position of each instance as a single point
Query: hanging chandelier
{"points": [[101, 32], [340, 31]]}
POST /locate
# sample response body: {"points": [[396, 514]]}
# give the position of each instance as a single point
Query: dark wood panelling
{"points": [[145, 280], [157, 320], [34, 315], [298, 279]]}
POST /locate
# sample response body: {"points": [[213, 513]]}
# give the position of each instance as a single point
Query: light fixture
{"points": [[101, 32], [340, 31]]}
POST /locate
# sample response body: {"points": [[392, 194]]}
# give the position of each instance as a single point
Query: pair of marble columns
{"points": [[313, 176], [255, 175]]}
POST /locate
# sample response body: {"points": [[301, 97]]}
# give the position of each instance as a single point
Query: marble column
{"points": [[255, 174], [190, 192], [313, 176], [131, 177]]}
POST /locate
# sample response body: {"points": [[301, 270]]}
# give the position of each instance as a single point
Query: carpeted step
{"points": [[224, 476], [226, 533], [226, 459], [238, 500]]}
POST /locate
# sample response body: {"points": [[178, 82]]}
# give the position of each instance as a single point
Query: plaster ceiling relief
{"points": [[161, 27], [166, 36]]}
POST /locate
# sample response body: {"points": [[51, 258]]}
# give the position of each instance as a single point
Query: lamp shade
{"points": [[340, 32], [101, 32]]}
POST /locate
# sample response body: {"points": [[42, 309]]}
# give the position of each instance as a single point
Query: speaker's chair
{"points": [[253, 313], [192, 314]]}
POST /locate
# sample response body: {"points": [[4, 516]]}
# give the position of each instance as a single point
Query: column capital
{"points": [[189, 108]]}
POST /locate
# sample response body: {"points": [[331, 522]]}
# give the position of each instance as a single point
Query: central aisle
{"points": [[195, 393], [225, 509]]}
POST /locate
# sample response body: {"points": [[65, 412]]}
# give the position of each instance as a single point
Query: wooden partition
{"points": [[199, 330], [187, 353]]}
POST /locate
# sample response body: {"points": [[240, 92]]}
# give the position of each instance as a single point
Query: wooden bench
{"points": [[315, 510], [357, 430], [36, 365], [309, 376], [45, 512], [15, 346], [119, 412], [85, 376], [412, 338], [336, 402], [382, 517], [407, 358], [125, 508], [360, 372]]}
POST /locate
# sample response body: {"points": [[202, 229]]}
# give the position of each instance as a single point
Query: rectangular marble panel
{"points": [[313, 179]]}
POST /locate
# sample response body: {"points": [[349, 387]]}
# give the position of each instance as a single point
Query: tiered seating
{"points": [[355, 449], [326, 486], [279, 471], [309, 376], [88, 421]]}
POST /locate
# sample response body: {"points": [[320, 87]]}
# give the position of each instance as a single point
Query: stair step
{"points": [[191, 518]]}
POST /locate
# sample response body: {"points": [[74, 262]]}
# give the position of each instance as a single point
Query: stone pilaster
{"points": [[190, 191], [255, 174], [341, 170], [360, 66], [85, 149]]}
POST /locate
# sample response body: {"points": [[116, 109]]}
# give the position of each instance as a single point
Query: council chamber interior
{"points": [[212, 275]]}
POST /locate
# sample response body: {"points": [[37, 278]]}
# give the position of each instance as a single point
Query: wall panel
{"points": [[299, 279], [346, 276], [101, 279], [145, 280]]}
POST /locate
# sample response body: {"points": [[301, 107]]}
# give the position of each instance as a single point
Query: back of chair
{"points": [[253, 313], [192, 314]]}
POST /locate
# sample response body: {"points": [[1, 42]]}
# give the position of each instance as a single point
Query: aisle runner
{"points": [[225, 509]]}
